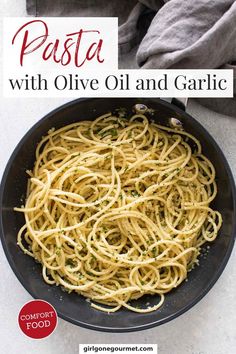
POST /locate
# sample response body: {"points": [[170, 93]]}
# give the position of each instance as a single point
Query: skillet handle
{"points": [[180, 102]]}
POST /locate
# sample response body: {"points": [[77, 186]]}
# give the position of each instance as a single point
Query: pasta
{"points": [[117, 208]]}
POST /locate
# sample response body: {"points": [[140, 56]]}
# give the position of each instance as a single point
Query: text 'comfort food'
{"points": [[117, 208]]}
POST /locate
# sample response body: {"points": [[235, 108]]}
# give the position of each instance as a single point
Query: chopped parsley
{"points": [[154, 252], [104, 229], [113, 132], [135, 194], [69, 262], [130, 134]]}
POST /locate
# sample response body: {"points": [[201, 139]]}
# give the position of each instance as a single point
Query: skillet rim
{"points": [[203, 291]]}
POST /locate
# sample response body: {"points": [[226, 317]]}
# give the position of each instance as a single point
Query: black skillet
{"points": [[73, 307]]}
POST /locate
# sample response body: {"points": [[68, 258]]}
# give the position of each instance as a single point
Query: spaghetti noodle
{"points": [[118, 208]]}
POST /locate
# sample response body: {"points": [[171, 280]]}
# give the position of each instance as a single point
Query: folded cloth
{"points": [[162, 34], [180, 33], [190, 34]]}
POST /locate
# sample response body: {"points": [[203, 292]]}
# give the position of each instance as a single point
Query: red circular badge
{"points": [[37, 319]]}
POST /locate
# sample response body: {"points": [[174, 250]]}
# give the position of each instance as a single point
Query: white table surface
{"points": [[208, 328]]}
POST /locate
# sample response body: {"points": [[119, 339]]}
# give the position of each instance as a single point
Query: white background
{"points": [[208, 328], [59, 29]]}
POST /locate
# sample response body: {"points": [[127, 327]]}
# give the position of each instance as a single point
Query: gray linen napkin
{"points": [[190, 34], [163, 34], [181, 34]]}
